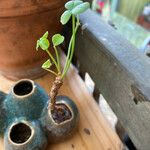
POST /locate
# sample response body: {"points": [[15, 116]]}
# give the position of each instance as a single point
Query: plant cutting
{"points": [[62, 113]]}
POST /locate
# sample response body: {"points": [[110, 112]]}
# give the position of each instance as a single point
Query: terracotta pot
{"points": [[22, 22]]}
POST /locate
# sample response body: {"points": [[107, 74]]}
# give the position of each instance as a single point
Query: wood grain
{"points": [[93, 132]]}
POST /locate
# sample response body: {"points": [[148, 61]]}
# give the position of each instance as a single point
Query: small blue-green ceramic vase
{"points": [[22, 109], [60, 131], [25, 99], [26, 122], [25, 135]]}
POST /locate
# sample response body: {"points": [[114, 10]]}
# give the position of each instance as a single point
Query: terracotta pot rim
{"points": [[64, 122], [22, 97], [23, 11], [31, 136]]}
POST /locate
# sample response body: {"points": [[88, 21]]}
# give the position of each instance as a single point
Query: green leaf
{"points": [[44, 43], [57, 39], [80, 8], [77, 2], [47, 64], [65, 17], [45, 35], [71, 4]]}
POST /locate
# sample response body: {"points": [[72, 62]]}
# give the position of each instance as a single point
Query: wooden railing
{"points": [[121, 74]]}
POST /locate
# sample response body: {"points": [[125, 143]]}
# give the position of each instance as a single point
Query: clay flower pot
{"points": [[25, 121], [22, 23], [57, 127]]}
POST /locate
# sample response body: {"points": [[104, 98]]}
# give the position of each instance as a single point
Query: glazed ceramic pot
{"points": [[22, 23], [58, 131], [26, 122], [2, 114], [25, 135], [25, 99]]}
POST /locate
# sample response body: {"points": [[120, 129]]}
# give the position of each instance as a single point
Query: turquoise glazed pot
{"points": [[3, 119], [25, 135], [25, 120], [25, 99]]}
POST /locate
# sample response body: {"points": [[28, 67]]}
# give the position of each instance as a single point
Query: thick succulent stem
{"points": [[54, 91]]}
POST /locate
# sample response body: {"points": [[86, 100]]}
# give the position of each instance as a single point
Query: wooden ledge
{"points": [[93, 132]]}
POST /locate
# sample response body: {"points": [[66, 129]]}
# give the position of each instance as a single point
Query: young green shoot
{"points": [[73, 9]]}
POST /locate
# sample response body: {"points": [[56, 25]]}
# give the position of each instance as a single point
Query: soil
{"points": [[61, 113], [20, 133]]}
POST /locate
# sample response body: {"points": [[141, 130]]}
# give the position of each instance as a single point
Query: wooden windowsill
{"points": [[93, 132]]}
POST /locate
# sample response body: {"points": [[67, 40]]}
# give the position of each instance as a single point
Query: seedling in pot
{"points": [[73, 9]]}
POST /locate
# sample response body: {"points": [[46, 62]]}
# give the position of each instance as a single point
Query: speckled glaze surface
{"points": [[36, 141], [26, 122], [58, 132]]}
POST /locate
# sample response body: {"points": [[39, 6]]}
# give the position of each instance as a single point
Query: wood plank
{"points": [[121, 73], [101, 137]]}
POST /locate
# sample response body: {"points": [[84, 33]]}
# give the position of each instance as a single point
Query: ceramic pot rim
{"points": [[64, 122], [26, 95], [31, 136]]}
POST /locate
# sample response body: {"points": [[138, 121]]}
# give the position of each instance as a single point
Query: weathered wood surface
{"points": [[100, 135], [121, 73]]}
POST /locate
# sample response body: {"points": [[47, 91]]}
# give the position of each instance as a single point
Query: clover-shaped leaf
{"points": [[77, 2], [71, 4], [80, 8], [47, 64], [65, 17], [43, 42], [57, 39]]}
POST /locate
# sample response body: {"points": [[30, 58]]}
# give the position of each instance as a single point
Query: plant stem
{"points": [[52, 58], [71, 47], [58, 60], [51, 71], [54, 91]]}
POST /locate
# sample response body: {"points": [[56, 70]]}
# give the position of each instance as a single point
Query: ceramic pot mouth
{"points": [[69, 108], [23, 88], [20, 133]]}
